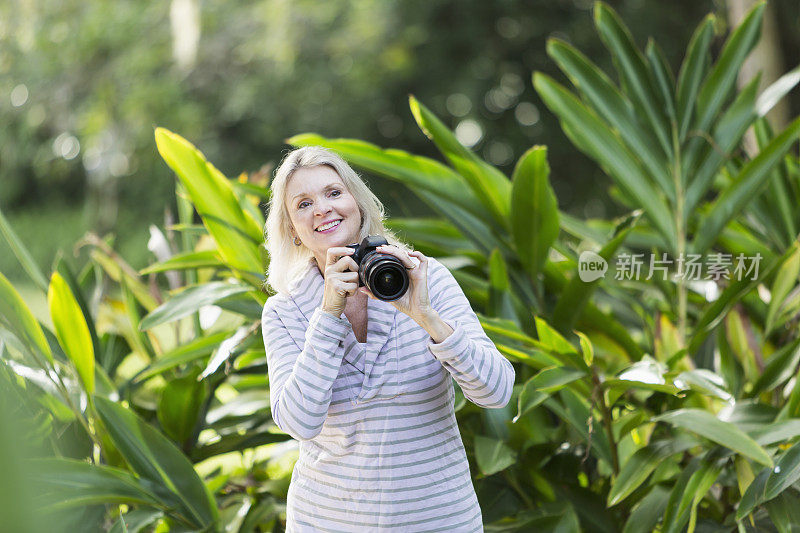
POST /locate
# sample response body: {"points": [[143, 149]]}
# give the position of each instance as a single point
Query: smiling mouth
{"points": [[329, 225]]}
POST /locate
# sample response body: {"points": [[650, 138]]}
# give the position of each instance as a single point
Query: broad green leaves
{"points": [[709, 426], [190, 300], [71, 329], [534, 209], [493, 455], [154, 458], [237, 235], [488, 183]]}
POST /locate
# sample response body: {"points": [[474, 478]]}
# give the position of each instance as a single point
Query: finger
{"points": [[335, 252], [344, 264], [398, 253], [347, 289], [367, 292], [422, 261]]}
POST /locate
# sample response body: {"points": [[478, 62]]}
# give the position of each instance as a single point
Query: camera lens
{"points": [[384, 275]]}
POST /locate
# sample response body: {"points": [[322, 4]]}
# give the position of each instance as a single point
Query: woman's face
{"points": [[322, 210]]}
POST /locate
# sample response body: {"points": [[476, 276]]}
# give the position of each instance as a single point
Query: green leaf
{"points": [[632, 70], [237, 442], [777, 432], [192, 351], [705, 381], [663, 77], [785, 280], [600, 92], [237, 235], [642, 463], [537, 389], [190, 300], [552, 339], [748, 184], [595, 138], [179, 406], [23, 255], [21, 321], [785, 473], [781, 366], [783, 512], [720, 308], [779, 88], [64, 483], [754, 495], [577, 293], [722, 79], [686, 497], [434, 236], [137, 338], [693, 69], [154, 457], [586, 348], [709, 426], [135, 521], [648, 511], [493, 455], [117, 270], [203, 259], [71, 329], [74, 286], [534, 210], [489, 184], [728, 134], [500, 302]]}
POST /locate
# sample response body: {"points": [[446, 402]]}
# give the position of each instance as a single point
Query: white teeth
{"points": [[329, 225]]}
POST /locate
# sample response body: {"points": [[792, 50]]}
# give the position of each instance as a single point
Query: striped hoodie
{"points": [[380, 448]]}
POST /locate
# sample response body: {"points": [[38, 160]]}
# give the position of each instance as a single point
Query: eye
{"points": [[336, 192], [302, 204]]}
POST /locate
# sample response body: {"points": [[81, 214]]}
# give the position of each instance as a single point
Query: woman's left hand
{"points": [[415, 302]]}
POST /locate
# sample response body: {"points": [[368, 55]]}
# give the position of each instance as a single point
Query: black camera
{"points": [[383, 274]]}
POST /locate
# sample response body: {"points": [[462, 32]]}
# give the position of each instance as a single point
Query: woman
{"points": [[364, 384]]}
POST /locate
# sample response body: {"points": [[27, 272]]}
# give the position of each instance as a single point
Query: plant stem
{"points": [[600, 400], [680, 228]]}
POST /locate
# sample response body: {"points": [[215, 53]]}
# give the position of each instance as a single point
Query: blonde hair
{"points": [[287, 261]]}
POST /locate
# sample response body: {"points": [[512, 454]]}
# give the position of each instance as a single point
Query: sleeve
{"points": [[301, 382], [485, 376]]}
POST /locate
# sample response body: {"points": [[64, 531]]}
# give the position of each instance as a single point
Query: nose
{"points": [[322, 207]]}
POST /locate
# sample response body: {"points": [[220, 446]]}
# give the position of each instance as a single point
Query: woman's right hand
{"points": [[341, 279]]}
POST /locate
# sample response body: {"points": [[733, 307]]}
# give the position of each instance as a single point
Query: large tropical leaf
{"points": [[534, 210], [632, 71], [152, 456], [71, 329], [190, 300], [21, 321], [605, 146], [64, 483], [489, 184], [237, 234], [693, 69], [709, 426], [612, 106]]}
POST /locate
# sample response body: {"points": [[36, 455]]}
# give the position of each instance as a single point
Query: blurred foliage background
{"points": [[82, 84]]}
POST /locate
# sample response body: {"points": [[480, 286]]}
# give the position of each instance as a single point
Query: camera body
{"points": [[383, 274]]}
